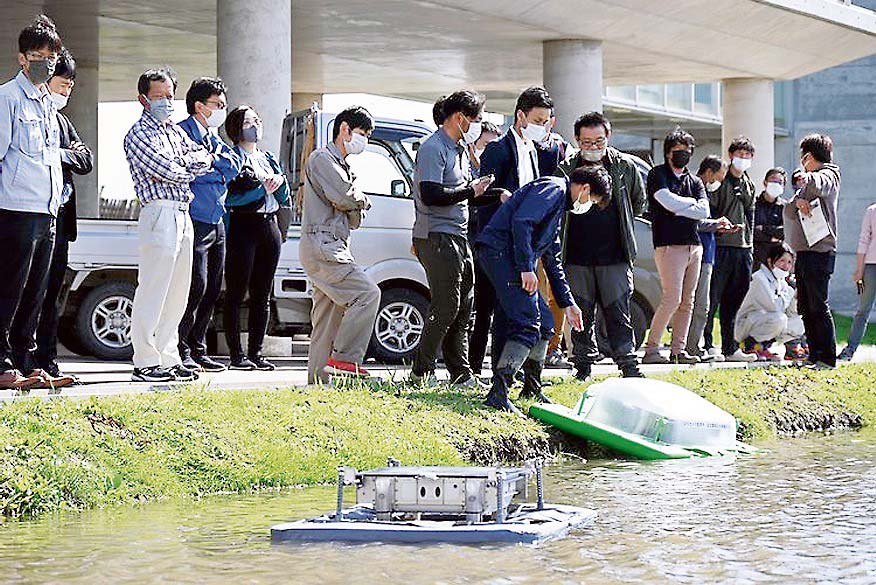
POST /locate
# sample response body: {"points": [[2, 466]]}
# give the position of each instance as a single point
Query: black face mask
{"points": [[680, 158]]}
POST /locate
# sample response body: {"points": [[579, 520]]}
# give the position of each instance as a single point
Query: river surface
{"points": [[799, 511]]}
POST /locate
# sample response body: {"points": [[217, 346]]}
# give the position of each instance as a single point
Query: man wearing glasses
{"points": [[207, 107], [31, 180], [600, 248]]}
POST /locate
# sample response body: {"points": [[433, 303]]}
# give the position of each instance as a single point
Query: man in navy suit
{"points": [[522, 155], [207, 107]]}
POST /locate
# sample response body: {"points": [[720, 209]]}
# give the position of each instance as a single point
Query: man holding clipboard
{"points": [[810, 230]]}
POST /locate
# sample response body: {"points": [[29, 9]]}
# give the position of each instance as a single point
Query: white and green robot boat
{"points": [[646, 419]]}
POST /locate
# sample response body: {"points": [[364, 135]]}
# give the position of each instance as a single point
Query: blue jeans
{"points": [[519, 316], [865, 305]]}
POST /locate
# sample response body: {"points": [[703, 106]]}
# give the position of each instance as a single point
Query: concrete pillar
{"points": [[303, 101], [572, 71], [748, 110], [254, 46], [79, 31]]}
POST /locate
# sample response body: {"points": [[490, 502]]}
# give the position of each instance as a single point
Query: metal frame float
{"points": [[421, 504]]}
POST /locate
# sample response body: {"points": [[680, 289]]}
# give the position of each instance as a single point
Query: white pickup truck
{"points": [[103, 261]]}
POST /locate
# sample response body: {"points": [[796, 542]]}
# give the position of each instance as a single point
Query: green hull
{"points": [[567, 420]]}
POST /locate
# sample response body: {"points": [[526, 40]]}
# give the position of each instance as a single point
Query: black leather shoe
{"points": [[208, 364]]}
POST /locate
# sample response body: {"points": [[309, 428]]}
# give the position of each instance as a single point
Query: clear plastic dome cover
{"points": [[658, 411]]}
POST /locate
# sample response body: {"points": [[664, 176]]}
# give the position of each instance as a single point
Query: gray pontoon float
{"points": [[397, 504]]}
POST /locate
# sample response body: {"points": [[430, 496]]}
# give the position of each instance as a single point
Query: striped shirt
{"points": [[163, 160]]}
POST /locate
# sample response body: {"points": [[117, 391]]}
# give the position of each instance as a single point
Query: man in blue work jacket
{"points": [[207, 107], [523, 230]]}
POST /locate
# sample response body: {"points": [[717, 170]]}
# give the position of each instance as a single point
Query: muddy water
{"points": [[802, 510]]}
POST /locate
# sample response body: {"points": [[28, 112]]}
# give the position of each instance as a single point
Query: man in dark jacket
{"points": [[207, 105], [600, 248], [514, 160], [524, 230], [734, 199], [768, 215], [75, 158]]}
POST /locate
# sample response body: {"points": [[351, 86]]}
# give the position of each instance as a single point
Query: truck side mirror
{"points": [[398, 188]]}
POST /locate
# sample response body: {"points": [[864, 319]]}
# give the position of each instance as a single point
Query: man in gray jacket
{"points": [[816, 186], [345, 299]]}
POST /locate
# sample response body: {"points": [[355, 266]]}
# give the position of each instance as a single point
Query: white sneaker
{"points": [[741, 356], [715, 355]]}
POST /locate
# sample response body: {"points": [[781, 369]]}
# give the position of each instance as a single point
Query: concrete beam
{"points": [[749, 110]]}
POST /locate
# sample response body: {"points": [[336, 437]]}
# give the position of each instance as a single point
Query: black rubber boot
{"points": [[532, 387], [498, 395], [631, 371], [582, 372]]}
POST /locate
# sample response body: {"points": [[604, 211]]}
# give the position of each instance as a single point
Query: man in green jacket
{"points": [[734, 199], [599, 248]]}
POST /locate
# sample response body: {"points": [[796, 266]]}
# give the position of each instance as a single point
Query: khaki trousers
{"points": [[345, 304], [679, 269]]}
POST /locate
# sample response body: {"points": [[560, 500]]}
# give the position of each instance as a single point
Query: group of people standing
{"points": [[518, 229]]}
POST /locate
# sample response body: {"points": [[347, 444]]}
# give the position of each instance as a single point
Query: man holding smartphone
{"points": [[734, 256], [443, 188]]}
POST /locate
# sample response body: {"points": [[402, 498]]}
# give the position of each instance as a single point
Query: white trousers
{"points": [[763, 326], [165, 274]]}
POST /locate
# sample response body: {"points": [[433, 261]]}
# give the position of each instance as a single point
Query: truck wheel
{"points": [[103, 322], [68, 337], [399, 325]]}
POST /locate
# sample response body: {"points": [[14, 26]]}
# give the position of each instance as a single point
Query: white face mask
{"points": [[357, 143], [534, 132], [579, 207], [217, 117], [474, 132], [593, 156], [713, 186], [741, 164], [779, 273], [774, 190], [60, 100]]}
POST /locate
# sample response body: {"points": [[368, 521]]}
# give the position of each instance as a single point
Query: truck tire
{"points": [[103, 321], [399, 325], [68, 337]]}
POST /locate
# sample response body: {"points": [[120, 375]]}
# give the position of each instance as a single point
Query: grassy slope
{"points": [[63, 454]]}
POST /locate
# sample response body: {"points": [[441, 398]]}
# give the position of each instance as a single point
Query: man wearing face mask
{"points": [[75, 158], [523, 231], [489, 132], [768, 228], [513, 160], [819, 180], [731, 275], [207, 107], [345, 298], [163, 161], [31, 185], [600, 248], [443, 187], [677, 200]]}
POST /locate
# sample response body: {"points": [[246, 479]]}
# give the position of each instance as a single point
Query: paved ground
{"points": [[112, 378]]}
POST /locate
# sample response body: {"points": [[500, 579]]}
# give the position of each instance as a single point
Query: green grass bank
{"points": [[72, 454]]}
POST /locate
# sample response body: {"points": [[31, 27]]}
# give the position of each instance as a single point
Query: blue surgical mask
{"points": [[161, 109], [252, 134]]}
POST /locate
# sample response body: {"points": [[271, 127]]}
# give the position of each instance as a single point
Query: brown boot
{"points": [[46, 380], [13, 380]]}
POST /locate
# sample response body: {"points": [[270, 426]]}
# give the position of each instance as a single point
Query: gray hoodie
{"points": [[825, 184]]}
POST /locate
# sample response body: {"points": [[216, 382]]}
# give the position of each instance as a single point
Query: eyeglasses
{"points": [[216, 103], [34, 56], [598, 143]]}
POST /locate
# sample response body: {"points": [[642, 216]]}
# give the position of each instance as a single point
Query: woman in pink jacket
{"points": [[865, 279]]}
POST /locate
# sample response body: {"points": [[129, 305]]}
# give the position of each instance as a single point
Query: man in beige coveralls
{"points": [[345, 299]]}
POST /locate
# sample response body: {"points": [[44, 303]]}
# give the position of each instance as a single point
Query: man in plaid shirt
{"points": [[163, 161]]}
